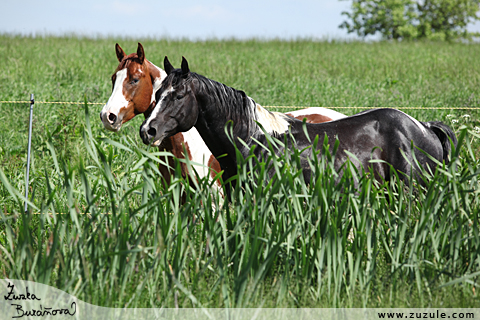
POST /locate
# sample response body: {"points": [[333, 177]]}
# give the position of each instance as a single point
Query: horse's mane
{"points": [[232, 103]]}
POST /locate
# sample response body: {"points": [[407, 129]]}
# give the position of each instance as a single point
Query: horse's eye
{"points": [[134, 81], [179, 97]]}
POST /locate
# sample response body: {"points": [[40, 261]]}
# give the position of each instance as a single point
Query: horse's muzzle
{"points": [[110, 121], [149, 135]]}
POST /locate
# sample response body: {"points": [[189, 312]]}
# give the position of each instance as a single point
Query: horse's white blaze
{"points": [[116, 102], [271, 121], [334, 115], [157, 108]]}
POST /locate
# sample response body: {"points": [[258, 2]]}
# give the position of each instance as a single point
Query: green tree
{"points": [[409, 19]]}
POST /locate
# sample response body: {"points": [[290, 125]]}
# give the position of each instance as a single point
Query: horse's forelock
{"points": [[133, 57]]}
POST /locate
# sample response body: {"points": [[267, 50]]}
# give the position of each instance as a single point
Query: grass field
{"points": [[278, 244]]}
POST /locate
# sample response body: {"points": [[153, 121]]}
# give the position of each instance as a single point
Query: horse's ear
{"points": [[167, 66], [140, 53], [185, 68], [120, 53]]}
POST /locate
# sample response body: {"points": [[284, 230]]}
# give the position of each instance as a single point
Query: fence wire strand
{"points": [[51, 102], [267, 107]]}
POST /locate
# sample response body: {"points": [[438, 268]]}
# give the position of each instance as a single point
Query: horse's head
{"points": [[177, 107], [132, 91]]}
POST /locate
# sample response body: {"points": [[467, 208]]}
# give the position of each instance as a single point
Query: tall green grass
{"points": [[279, 242], [124, 240]]}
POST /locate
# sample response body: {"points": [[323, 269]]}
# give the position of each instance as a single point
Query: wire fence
{"points": [[267, 107], [32, 102], [50, 102]]}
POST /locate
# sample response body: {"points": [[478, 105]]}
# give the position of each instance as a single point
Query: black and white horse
{"points": [[187, 99]]}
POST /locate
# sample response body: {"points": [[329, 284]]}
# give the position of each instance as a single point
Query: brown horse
{"points": [[135, 82]]}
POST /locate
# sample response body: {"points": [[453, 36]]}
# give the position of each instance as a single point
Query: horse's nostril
{"points": [[152, 132], [112, 118]]}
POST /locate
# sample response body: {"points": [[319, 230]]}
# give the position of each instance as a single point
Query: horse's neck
{"points": [[246, 116], [211, 121], [157, 75]]}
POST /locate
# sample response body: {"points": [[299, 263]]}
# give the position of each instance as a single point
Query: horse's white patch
{"points": [[200, 154], [116, 101], [422, 127], [271, 121], [158, 106], [332, 114]]}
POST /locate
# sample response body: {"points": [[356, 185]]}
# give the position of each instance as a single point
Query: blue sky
{"points": [[194, 20]]}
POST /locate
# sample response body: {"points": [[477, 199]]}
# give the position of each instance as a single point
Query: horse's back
{"points": [[382, 134], [401, 130]]}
